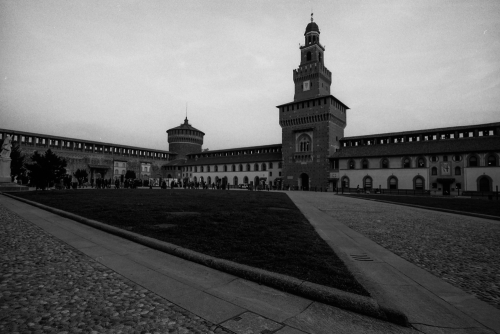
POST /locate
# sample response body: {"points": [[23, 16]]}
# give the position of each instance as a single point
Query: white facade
{"points": [[380, 177], [473, 176], [236, 174]]}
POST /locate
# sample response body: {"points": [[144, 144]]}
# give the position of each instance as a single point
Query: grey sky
{"points": [[122, 71]]}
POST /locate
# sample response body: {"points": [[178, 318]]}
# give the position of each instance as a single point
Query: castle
{"points": [[314, 154]]}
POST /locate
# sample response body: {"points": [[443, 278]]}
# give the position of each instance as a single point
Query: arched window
{"points": [[364, 164], [304, 143], [314, 38], [345, 182], [406, 163], [233, 168], [241, 168], [225, 168], [352, 165], [418, 183], [458, 171], [216, 168], [473, 161], [270, 165], [434, 171], [484, 184], [393, 182], [264, 166], [421, 162], [256, 167], [367, 183], [116, 171], [491, 161], [209, 180], [123, 172], [235, 180], [245, 180], [309, 53], [320, 57], [385, 163], [280, 164]]}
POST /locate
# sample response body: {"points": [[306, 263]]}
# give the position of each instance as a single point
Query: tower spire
{"points": [[186, 120]]}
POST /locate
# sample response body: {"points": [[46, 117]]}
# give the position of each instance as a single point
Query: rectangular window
{"points": [[270, 173]]}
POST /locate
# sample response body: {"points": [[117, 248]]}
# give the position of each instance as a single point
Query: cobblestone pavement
{"points": [[47, 286], [463, 251]]}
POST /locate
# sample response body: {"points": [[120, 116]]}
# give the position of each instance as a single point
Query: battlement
{"points": [[312, 68]]}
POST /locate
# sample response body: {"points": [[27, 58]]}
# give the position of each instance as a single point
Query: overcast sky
{"points": [[123, 71]]}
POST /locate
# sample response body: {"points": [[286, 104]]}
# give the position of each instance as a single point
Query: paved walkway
{"points": [[59, 276], [431, 304]]}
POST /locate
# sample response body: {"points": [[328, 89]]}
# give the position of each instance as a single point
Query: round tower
{"points": [[184, 139]]}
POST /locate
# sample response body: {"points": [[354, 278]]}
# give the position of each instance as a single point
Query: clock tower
{"points": [[314, 122], [312, 78]]}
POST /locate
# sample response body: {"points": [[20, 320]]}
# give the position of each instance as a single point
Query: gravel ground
{"points": [[463, 251], [47, 286]]}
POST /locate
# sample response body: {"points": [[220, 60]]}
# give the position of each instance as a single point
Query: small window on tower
{"points": [[309, 55]]}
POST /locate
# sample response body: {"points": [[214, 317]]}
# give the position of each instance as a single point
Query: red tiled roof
{"points": [[426, 131], [238, 149], [462, 145], [236, 159]]}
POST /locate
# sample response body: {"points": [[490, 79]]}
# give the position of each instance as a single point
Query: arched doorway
{"points": [[256, 181], [235, 181], [484, 184], [304, 181]]}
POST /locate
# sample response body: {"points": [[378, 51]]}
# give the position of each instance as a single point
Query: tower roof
{"points": [[312, 26], [186, 126]]}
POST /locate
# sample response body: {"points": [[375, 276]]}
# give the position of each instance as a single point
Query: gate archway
{"points": [[304, 181]]}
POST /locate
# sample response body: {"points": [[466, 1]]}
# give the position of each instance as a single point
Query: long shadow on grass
{"points": [[259, 229]]}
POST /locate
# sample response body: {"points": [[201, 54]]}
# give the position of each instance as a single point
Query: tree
{"points": [[80, 175], [17, 164], [46, 168], [130, 174]]}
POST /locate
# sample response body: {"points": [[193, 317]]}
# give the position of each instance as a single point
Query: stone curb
{"points": [[471, 214], [327, 295]]}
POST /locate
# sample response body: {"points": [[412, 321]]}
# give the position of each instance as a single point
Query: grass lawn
{"points": [[259, 229], [482, 206]]}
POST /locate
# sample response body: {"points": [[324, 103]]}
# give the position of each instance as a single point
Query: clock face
{"points": [[306, 85]]}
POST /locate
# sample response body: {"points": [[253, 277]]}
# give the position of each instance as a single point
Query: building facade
{"points": [[444, 161], [100, 159]]}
